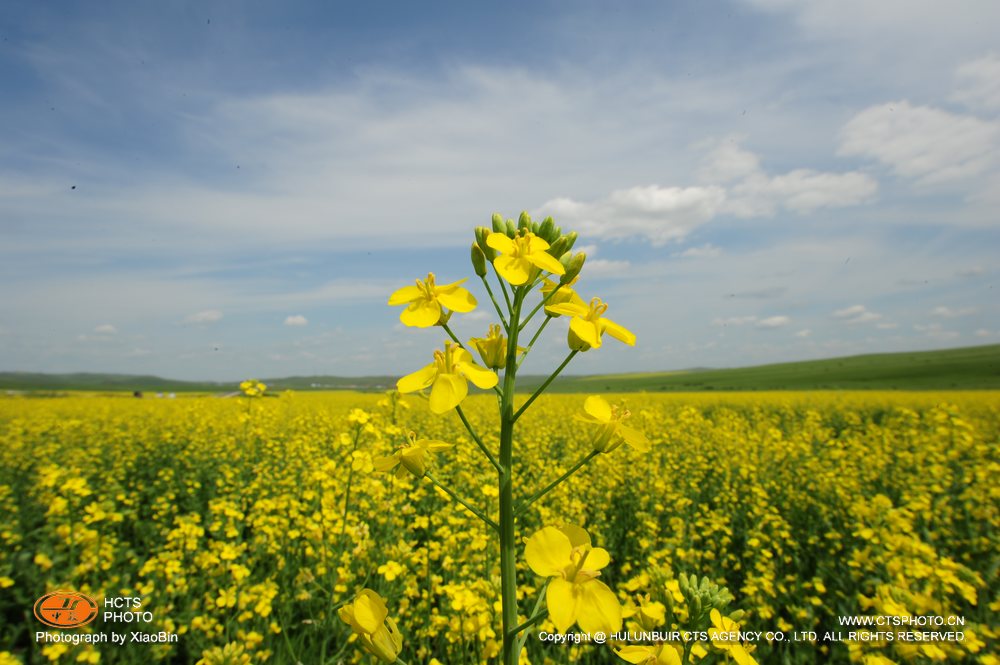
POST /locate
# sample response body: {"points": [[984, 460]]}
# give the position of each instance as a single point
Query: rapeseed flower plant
{"points": [[589, 324], [411, 457], [611, 430], [522, 257], [369, 618]]}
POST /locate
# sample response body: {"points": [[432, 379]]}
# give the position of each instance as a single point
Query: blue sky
{"points": [[232, 189]]}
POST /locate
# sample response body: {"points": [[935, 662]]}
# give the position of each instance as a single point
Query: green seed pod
{"points": [[573, 265], [482, 233], [478, 260], [545, 230], [511, 229], [498, 224], [570, 240]]}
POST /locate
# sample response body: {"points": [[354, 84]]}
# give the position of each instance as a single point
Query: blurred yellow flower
{"points": [[565, 294], [424, 301], [723, 635], [612, 430], [253, 388], [492, 348], [652, 654], [589, 325], [522, 256], [369, 618], [449, 375], [574, 594]]}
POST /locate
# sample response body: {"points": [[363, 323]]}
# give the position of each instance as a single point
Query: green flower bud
{"points": [[558, 248], [573, 265], [524, 221], [482, 233], [498, 224], [570, 240], [545, 230], [478, 260], [511, 229]]}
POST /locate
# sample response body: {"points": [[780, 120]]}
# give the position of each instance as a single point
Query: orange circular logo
{"points": [[65, 609]]}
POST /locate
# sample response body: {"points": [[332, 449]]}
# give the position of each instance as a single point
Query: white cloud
{"points": [[296, 320], [804, 333], [856, 314], [921, 142], [773, 322], [979, 84], [706, 251], [204, 316], [728, 162], [936, 331], [661, 214], [886, 326], [607, 267], [800, 191], [949, 313], [983, 332], [106, 329]]}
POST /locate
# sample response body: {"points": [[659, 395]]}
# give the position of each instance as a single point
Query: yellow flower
{"points": [[425, 301], [410, 457], [649, 613], [612, 430], [574, 594], [565, 294], [588, 325], [521, 257], [369, 618], [449, 374], [253, 388], [492, 348], [723, 635], [653, 654]]}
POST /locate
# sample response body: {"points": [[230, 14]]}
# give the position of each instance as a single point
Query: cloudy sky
{"points": [[231, 189]]}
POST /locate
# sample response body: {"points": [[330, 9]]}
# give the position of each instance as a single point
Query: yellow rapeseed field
{"points": [[245, 524]]}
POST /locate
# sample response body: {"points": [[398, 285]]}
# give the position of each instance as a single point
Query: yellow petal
{"points": [[548, 552], [587, 331], [483, 378], [458, 300], [637, 655], [569, 309], [369, 611], [387, 642], [562, 604], [597, 558], [741, 656], [578, 536], [620, 333], [418, 380], [537, 244], [516, 271], [598, 407], [500, 242], [546, 262], [448, 392], [405, 295], [421, 314], [437, 446], [634, 438], [385, 463], [598, 608]]}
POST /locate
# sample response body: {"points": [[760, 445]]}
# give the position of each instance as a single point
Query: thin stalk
{"points": [[350, 479], [545, 385], [506, 297], [452, 335], [521, 507], [533, 338], [508, 547], [470, 508], [479, 442], [544, 301], [503, 319]]}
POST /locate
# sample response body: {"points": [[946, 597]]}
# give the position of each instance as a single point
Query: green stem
{"points": [[506, 297], [496, 305], [534, 337], [479, 442], [508, 553], [545, 385], [521, 507], [537, 614], [452, 335], [470, 508], [544, 301]]}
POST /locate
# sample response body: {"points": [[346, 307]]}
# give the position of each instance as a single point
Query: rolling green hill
{"points": [[969, 368]]}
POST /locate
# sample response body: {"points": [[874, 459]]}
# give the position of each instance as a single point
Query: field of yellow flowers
{"points": [[244, 524]]}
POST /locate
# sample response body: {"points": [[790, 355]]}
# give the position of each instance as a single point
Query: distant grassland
{"points": [[971, 368]]}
